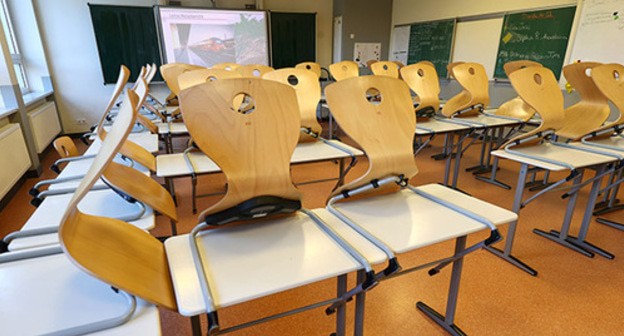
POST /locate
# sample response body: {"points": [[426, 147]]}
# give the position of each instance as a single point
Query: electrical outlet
{"points": [[81, 121]]}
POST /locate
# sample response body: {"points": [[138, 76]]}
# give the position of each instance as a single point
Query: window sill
{"points": [[5, 112], [34, 96]]}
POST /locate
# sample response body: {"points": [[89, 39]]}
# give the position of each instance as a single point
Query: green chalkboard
{"points": [[125, 35], [433, 42], [540, 36]]}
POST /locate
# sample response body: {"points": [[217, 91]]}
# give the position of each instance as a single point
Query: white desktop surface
{"points": [[576, 158], [405, 221], [174, 128], [488, 120], [45, 294], [438, 126], [97, 202], [144, 139], [80, 167], [253, 260], [170, 165]]}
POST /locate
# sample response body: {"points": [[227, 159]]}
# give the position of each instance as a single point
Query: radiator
{"points": [[14, 159], [45, 125]]}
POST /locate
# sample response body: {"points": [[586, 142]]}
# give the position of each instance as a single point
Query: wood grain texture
{"points": [[423, 79], [474, 81], [151, 73], [311, 66], [308, 90], [253, 70], [343, 70], [609, 78], [171, 71], [226, 66], [593, 108], [122, 80], [539, 88], [65, 147], [253, 150], [449, 67], [113, 251], [385, 131], [516, 107], [195, 77], [385, 68]]}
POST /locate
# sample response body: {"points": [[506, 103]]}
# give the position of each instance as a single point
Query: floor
{"points": [[572, 295]]}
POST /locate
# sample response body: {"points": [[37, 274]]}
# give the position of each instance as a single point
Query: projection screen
{"points": [[208, 36]]}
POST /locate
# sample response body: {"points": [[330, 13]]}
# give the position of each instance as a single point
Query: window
{"points": [[18, 61]]}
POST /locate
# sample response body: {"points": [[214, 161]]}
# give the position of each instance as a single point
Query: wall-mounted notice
{"points": [[207, 37], [400, 44], [600, 32], [364, 52], [540, 36], [433, 42]]}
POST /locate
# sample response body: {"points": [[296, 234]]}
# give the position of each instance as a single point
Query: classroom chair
{"points": [[42, 285], [383, 207], [343, 70], [253, 70], [203, 271], [385, 68], [311, 66], [516, 107], [538, 87], [226, 66]]}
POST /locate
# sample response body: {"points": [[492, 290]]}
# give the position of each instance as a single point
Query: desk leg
{"points": [[196, 325], [506, 254], [341, 172], [445, 148], [561, 237], [331, 125], [341, 311], [484, 142], [449, 157], [580, 241], [492, 179], [170, 185], [610, 201], [458, 157], [194, 193], [360, 301], [451, 304]]}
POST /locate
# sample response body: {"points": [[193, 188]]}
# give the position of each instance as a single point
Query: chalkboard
{"points": [[125, 35], [293, 38], [433, 42], [540, 36]]}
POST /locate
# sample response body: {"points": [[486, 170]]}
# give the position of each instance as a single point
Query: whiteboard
{"points": [[600, 32], [400, 44], [477, 41]]}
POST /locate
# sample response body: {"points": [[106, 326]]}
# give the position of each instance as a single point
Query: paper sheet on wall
{"points": [[364, 52], [400, 44]]}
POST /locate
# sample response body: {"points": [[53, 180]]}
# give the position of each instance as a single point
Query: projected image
{"points": [[208, 37]]}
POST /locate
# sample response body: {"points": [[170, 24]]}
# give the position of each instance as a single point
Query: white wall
{"points": [[408, 11], [69, 41]]}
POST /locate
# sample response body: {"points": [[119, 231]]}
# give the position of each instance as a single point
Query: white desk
{"points": [[576, 159], [49, 293], [173, 128], [80, 167], [255, 260], [144, 139], [96, 202]]}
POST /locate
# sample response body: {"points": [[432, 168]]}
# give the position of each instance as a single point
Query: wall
{"points": [[408, 11], [69, 42], [368, 20]]}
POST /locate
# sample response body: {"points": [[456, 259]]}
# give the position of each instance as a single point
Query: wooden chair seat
{"points": [[473, 79]]}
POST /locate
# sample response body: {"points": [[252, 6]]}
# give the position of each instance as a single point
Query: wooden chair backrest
{"points": [[384, 130], [195, 77], [150, 75], [609, 78], [516, 107], [254, 149], [311, 66], [423, 79], [370, 62], [512, 66], [343, 70], [65, 147], [253, 70], [449, 67], [399, 64], [226, 66], [111, 250], [122, 80], [308, 90], [142, 73], [385, 68], [473, 79], [171, 71], [539, 88], [131, 149], [593, 108]]}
